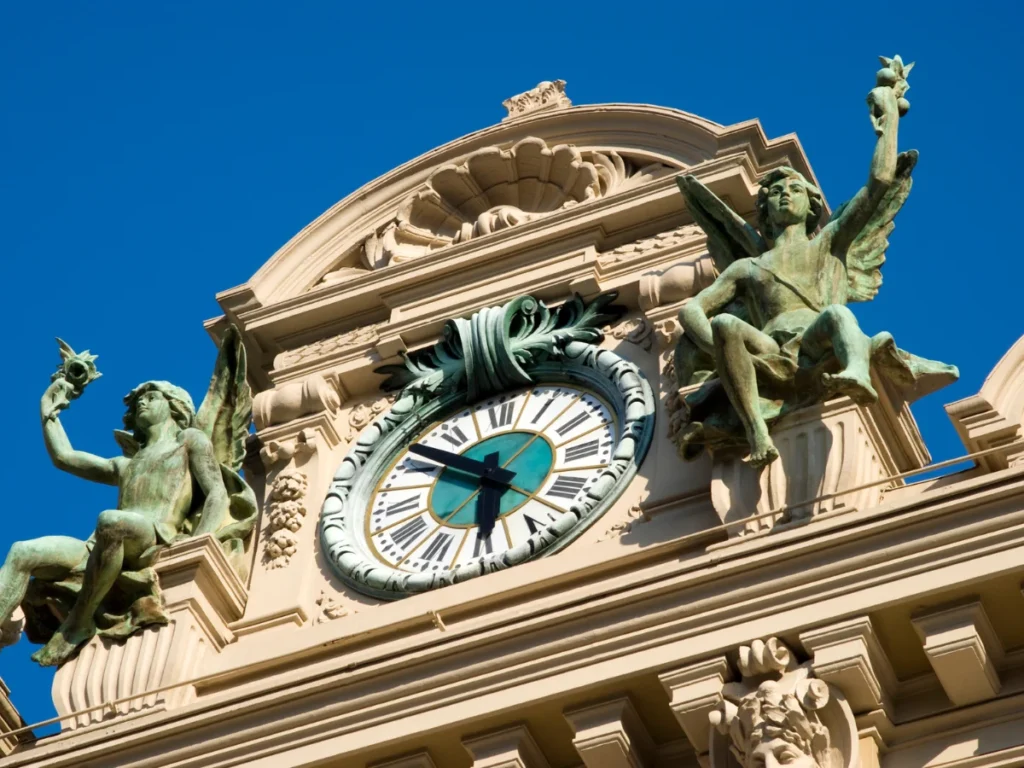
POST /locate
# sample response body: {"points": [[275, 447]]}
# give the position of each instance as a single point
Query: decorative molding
{"points": [[659, 242], [635, 330], [300, 438], [286, 511], [546, 96], [329, 609], [634, 515], [363, 413], [964, 651], [363, 336], [301, 398], [849, 656], [495, 188], [611, 735]]}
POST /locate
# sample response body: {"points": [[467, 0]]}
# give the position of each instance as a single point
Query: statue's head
{"points": [[785, 198], [154, 402], [772, 729]]}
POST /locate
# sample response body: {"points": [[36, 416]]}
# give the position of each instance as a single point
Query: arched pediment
{"points": [[994, 417], [501, 176]]}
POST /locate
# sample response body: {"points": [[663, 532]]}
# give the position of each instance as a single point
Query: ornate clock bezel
{"points": [[500, 349]]}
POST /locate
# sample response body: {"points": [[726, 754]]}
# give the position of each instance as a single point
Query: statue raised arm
{"points": [[178, 478], [773, 332]]}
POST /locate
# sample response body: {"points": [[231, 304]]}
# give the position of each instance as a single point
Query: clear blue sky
{"points": [[156, 153]]}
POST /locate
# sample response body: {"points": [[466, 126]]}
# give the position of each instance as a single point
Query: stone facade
{"points": [[829, 612]]}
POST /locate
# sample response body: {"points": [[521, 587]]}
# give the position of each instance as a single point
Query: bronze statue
{"points": [[178, 478], [773, 333]]}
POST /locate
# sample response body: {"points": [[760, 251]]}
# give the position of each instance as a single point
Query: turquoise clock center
{"points": [[532, 463]]}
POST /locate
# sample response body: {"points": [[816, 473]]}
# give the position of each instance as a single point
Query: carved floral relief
{"points": [[287, 511]]}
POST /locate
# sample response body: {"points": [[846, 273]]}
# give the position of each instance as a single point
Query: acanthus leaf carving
{"points": [[780, 708], [547, 95]]}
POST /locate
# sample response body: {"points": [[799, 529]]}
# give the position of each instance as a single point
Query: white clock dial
{"points": [[425, 516]]}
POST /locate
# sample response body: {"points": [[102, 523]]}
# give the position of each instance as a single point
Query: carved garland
{"points": [[287, 510], [498, 349]]}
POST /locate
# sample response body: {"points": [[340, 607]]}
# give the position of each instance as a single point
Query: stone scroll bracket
{"points": [[203, 596]]}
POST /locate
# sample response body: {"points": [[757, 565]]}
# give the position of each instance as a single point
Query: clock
{"points": [[507, 440], [428, 515]]}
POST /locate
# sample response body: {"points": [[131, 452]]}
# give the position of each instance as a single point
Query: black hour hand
{"points": [[488, 505], [464, 464]]}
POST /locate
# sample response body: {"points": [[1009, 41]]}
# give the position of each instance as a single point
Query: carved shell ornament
{"points": [[496, 188], [522, 386]]}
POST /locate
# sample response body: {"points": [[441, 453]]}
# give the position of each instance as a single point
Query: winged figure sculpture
{"points": [[178, 478], [773, 333]]}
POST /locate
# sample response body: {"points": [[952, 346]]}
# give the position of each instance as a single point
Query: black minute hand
{"points": [[464, 463]]}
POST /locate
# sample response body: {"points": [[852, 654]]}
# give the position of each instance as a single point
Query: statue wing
{"points": [[866, 254], [729, 236], [227, 408]]}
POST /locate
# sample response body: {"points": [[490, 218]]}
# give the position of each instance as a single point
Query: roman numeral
{"points": [[407, 533], [500, 415], [574, 422], [543, 408], [412, 467], [533, 525], [455, 436], [484, 545], [438, 547], [583, 450], [401, 507], [567, 486]]}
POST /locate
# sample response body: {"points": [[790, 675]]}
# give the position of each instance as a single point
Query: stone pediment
{"points": [[495, 188], [573, 157]]}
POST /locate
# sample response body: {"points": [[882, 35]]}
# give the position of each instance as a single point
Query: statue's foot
{"points": [[61, 647], [856, 386], [762, 453]]}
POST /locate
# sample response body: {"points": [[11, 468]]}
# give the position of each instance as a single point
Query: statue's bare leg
{"points": [[736, 343], [48, 557], [120, 535], [838, 329]]}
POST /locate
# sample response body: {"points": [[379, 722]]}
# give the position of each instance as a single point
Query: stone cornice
{"points": [[645, 616]]}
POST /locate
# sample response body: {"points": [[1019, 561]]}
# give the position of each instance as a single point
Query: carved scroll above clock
{"points": [[495, 188]]}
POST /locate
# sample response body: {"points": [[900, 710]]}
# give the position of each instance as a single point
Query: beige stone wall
{"points": [[903, 598]]}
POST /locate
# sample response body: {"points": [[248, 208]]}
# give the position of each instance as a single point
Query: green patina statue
{"points": [[178, 478], [773, 332]]}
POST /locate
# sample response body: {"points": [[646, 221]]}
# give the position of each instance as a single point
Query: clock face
{"points": [[425, 516]]}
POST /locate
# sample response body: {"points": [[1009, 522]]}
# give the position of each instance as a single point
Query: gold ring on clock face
{"points": [[424, 516]]}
